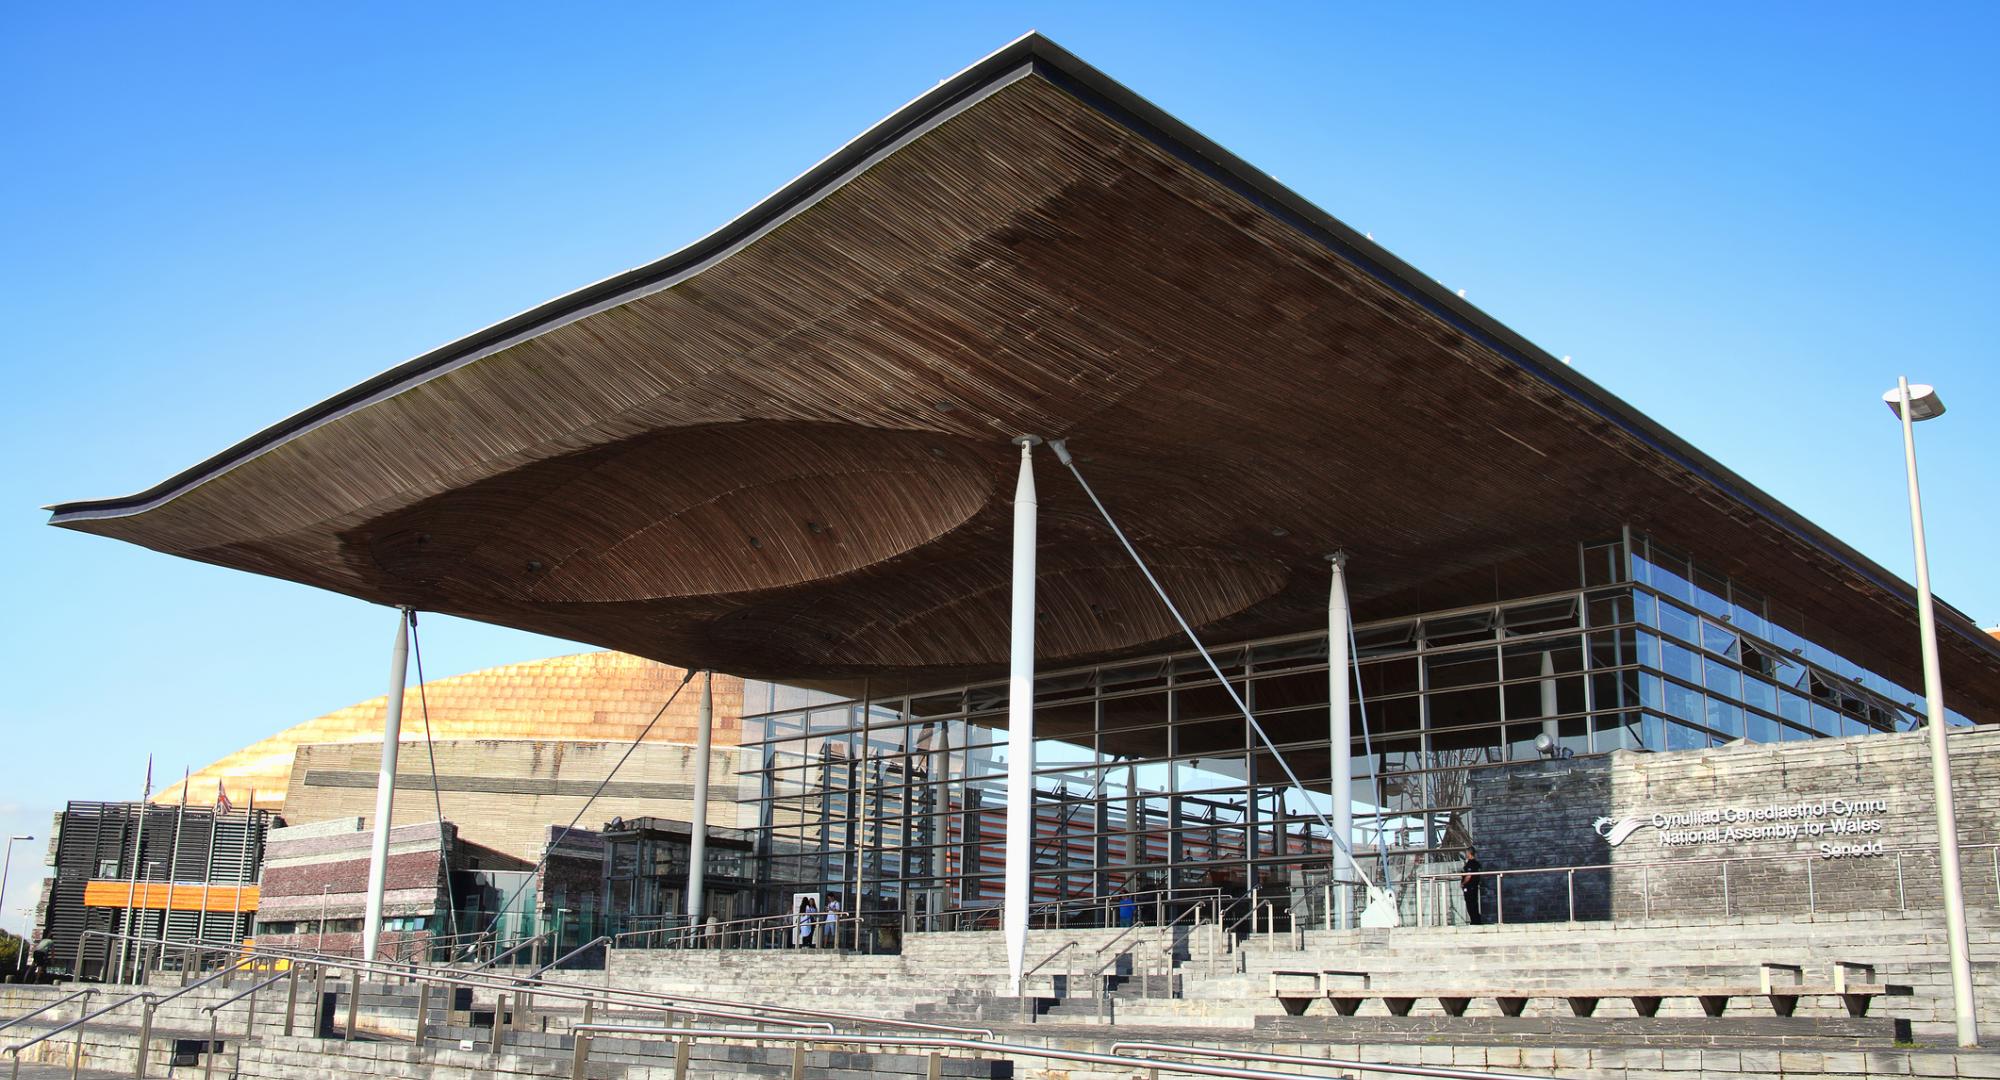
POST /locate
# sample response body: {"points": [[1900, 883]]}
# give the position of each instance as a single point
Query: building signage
{"points": [[1843, 828]]}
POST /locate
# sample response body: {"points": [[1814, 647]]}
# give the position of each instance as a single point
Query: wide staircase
{"points": [[1110, 1003]]}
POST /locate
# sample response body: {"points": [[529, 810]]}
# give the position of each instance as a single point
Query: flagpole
{"points": [[174, 859], [208, 860], [249, 823], [132, 883]]}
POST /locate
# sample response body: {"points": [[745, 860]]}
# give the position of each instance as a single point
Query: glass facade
{"points": [[1148, 777]]}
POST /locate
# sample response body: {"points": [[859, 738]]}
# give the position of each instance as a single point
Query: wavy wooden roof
{"points": [[783, 451]]}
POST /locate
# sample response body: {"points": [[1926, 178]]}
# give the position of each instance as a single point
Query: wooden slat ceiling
{"points": [[793, 462]]}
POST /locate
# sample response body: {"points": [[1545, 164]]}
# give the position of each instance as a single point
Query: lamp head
{"points": [[1924, 402]]}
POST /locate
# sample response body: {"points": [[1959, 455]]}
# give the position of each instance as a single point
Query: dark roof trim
{"points": [[1030, 54]]}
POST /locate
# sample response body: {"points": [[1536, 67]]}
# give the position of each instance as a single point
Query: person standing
{"points": [[1469, 883], [830, 935], [808, 919]]}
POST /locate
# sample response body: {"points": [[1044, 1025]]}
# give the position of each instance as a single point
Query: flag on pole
{"points": [[222, 803], [148, 793]]}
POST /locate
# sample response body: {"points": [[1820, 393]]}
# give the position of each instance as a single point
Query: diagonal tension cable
{"points": [[1374, 775], [430, 751], [1062, 455], [580, 811]]}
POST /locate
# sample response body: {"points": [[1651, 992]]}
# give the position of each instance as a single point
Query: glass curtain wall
{"points": [[1148, 778]]}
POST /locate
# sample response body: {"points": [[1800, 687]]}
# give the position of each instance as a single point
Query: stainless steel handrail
{"points": [[601, 939], [56, 1004], [996, 1049], [522, 944], [1437, 878], [605, 996], [722, 930], [609, 996], [1441, 1072], [153, 1002], [73, 1025]]}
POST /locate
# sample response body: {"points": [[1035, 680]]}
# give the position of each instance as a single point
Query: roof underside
{"points": [[783, 452]]}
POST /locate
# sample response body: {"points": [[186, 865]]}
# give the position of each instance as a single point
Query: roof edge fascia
{"points": [[1032, 53]]}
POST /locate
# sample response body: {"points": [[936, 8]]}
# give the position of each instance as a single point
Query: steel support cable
{"points": [[580, 811], [1368, 748], [430, 752], [1063, 455]]}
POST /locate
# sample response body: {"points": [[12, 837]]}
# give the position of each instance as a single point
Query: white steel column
{"points": [[698, 814], [1964, 1008], [1340, 722], [1021, 723], [385, 786]]}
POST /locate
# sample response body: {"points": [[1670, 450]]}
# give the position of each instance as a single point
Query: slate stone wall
{"points": [[1829, 825]]}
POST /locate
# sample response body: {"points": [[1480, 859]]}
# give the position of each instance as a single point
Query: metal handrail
{"points": [[606, 996], [57, 1003], [999, 1049], [781, 921], [241, 994], [148, 996], [1438, 1071], [522, 944], [601, 939], [610, 996], [1172, 895], [1427, 876], [77, 1054]]}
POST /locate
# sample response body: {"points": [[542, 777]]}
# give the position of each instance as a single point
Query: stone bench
{"points": [[1583, 1001], [1319, 976]]}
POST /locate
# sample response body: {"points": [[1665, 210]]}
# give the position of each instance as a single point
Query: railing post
{"points": [[1646, 885], [291, 998], [499, 1022], [353, 1004], [1572, 895], [580, 1053], [76, 1055], [681, 1058], [208, 1050], [1812, 901], [1499, 901], [798, 1061], [145, 1037], [319, 998], [250, 1011], [1902, 901], [424, 1011], [934, 1070], [1725, 889]]}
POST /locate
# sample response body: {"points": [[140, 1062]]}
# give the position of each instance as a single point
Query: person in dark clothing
{"points": [[1470, 885]]}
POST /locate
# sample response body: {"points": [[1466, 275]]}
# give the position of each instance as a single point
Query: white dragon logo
{"points": [[1616, 831]]}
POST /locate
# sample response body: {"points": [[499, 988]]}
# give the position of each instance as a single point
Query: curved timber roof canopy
{"points": [[783, 451]]}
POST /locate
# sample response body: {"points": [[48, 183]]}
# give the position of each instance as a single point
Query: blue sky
{"points": [[1746, 220]]}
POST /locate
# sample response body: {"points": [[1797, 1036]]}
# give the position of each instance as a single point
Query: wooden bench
{"points": [[1583, 1001]]}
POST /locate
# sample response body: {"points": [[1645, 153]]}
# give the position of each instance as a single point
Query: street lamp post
{"points": [[4, 868], [1910, 404]]}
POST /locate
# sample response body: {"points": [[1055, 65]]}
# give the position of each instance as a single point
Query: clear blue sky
{"points": [[1744, 219]]}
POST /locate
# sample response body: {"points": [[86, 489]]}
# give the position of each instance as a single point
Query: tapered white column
{"points": [[1340, 724], [385, 786], [1021, 724], [704, 724]]}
